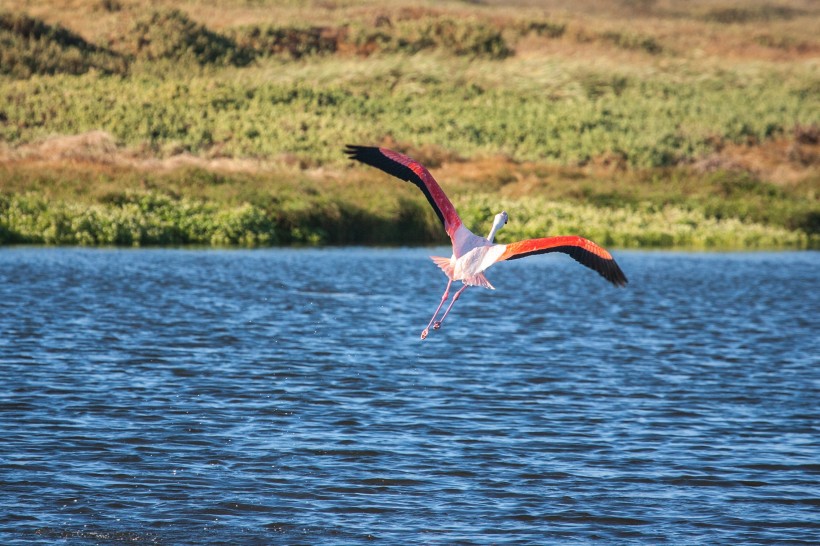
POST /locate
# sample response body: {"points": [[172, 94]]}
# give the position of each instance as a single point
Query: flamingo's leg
{"points": [[443, 299], [437, 325]]}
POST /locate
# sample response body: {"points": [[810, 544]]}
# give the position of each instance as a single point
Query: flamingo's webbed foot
{"points": [[424, 333], [437, 325]]}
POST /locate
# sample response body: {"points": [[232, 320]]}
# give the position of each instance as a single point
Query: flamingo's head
{"points": [[500, 219]]}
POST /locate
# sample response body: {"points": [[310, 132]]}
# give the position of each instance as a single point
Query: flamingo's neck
{"points": [[493, 231], [498, 223]]}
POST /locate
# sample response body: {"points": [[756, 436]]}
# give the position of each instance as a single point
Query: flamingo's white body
{"points": [[473, 254]]}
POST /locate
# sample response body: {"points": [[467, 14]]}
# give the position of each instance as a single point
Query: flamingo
{"points": [[473, 254]]}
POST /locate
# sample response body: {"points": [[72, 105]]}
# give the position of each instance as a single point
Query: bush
{"points": [[741, 15], [132, 219], [643, 225], [548, 29], [636, 42], [293, 42], [173, 36], [29, 46], [464, 38], [461, 38]]}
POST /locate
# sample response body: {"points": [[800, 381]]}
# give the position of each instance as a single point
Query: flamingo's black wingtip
{"points": [[617, 276], [354, 151]]}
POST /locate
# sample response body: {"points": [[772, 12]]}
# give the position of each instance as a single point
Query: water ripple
{"points": [[210, 397]]}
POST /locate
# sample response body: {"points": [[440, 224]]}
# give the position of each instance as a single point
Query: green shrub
{"points": [[468, 38], [132, 220], [544, 28], [464, 38], [193, 206], [172, 35], [751, 14], [637, 42], [29, 46], [293, 42], [644, 225]]}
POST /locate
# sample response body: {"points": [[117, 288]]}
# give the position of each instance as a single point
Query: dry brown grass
{"points": [[99, 150], [785, 161]]}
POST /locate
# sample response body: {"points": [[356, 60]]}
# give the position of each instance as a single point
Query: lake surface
{"points": [[284, 397]]}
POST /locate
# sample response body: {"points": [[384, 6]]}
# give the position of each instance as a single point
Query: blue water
{"points": [[283, 397]]}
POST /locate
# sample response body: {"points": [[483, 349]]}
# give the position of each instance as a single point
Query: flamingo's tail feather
{"points": [[479, 280]]}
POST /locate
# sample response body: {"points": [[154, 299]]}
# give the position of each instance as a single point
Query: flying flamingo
{"points": [[473, 254]]}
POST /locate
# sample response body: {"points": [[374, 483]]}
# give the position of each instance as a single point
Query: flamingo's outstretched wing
{"points": [[582, 250], [410, 170]]}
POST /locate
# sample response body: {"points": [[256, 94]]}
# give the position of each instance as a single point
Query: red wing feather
{"points": [[412, 171], [582, 250]]}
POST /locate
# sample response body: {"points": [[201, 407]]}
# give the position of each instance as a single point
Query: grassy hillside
{"points": [[636, 123]]}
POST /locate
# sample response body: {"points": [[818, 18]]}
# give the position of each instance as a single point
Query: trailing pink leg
{"points": [[437, 325], [443, 299]]}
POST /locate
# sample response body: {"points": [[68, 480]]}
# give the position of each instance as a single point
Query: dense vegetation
{"points": [[646, 124], [30, 46]]}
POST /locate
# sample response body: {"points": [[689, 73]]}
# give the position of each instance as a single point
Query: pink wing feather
{"points": [[405, 168], [582, 250]]}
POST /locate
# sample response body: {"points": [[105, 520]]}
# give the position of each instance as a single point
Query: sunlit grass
{"points": [[650, 120]]}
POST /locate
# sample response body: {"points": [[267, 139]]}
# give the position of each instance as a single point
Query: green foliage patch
{"points": [[643, 225], [144, 219], [627, 40], [30, 46], [460, 37], [751, 14], [291, 42], [469, 38], [172, 35], [200, 207], [647, 121]]}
